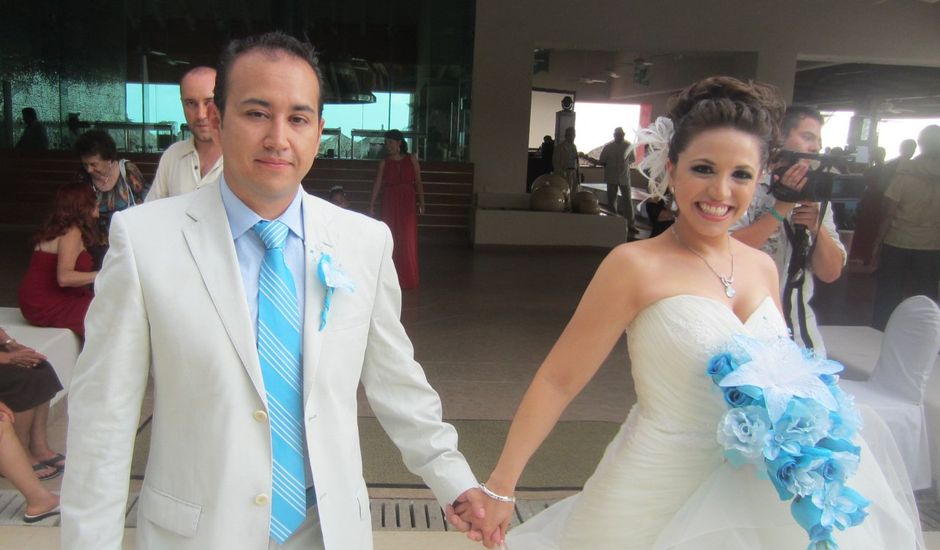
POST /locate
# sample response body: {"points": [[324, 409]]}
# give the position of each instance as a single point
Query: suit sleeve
{"points": [[403, 401], [104, 403]]}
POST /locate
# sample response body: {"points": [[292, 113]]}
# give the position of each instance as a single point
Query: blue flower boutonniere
{"points": [[332, 278], [788, 417]]}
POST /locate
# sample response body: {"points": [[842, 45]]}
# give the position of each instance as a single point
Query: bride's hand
{"points": [[497, 515], [491, 529]]}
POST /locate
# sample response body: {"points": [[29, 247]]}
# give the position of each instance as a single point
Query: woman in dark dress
{"points": [[27, 383], [399, 180], [56, 289]]}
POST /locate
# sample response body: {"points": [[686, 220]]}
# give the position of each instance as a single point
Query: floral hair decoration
{"points": [[656, 138]]}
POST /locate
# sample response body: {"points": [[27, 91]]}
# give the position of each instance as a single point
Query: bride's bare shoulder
{"points": [[635, 257], [630, 263]]}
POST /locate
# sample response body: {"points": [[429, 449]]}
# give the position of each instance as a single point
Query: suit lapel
{"points": [[317, 240], [213, 250]]}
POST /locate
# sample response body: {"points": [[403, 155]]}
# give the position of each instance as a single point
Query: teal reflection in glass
{"points": [[154, 114], [163, 104], [355, 130]]}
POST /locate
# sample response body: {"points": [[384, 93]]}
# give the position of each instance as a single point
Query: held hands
{"points": [[489, 527], [471, 505]]}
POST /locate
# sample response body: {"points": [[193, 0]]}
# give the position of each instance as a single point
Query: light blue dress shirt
{"points": [[250, 249]]}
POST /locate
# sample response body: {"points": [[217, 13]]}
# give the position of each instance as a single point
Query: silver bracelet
{"points": [[494, 496]]}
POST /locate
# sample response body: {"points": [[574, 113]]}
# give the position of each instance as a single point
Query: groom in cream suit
{"points": [[177, 299]]}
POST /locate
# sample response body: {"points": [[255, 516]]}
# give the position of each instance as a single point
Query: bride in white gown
{"points": [[663, 482]]}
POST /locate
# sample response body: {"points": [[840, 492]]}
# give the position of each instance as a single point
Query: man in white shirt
{"points": [[617, 175], [770, 224], [565, 160], [191, 163]]}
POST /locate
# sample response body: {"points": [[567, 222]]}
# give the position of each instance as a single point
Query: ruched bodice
{"points": [[670, 343], [663, 482]]}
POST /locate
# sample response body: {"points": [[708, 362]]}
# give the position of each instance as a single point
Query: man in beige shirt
{"points": [[191, 163], [909, 252]]}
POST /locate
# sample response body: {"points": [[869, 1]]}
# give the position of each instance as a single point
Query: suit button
{"points": [[260, 415], [262, 499]]}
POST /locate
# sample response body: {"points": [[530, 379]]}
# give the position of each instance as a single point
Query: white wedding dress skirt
{"points": [[663, 482]]}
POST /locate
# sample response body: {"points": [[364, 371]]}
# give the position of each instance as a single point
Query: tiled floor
{"points": [[481, 323]]}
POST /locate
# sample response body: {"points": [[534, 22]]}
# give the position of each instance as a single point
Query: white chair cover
{"points": [[896, 388]]}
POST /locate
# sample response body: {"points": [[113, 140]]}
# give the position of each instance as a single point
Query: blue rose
{"points": [[833, 470], [737, 398], [782, 472], [720, 366], [744, 430], [795, 475], [840, 466]]}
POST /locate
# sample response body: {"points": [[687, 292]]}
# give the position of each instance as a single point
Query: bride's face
{"points": [[715, 178]]}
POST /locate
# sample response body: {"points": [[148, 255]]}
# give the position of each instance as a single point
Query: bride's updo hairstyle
{"points": [[725, 102]]}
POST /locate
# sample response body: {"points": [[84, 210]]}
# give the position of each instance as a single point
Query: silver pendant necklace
{"points": [[726, 282]]}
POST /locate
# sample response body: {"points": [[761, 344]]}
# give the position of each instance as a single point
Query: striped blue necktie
{"points": [[279, 350]]}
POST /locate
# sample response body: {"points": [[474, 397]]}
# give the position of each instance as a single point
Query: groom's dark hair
{"points": [[273, 44]]}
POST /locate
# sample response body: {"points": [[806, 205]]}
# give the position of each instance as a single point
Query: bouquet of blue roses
{"points": [[788, 417]]}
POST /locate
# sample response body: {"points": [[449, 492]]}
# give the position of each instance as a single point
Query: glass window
{"points": [[116, 65], [358, 129]]}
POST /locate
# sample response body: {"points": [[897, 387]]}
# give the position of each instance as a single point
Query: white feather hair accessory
{"points": [[655, 138]]}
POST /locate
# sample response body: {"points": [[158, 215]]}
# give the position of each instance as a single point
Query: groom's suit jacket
{"points": [[170, 303]]}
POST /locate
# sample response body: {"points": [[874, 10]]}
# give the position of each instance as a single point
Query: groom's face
{"points": [[270, 130]]}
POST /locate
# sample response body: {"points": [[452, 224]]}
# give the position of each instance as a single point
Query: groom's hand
{"points": [[466, 512]]}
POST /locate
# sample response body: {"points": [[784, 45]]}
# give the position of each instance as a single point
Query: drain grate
{"points": [[396, 514], [399, 514]]}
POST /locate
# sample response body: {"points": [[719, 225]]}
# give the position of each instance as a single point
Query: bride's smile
{"points": [[714, 180]]}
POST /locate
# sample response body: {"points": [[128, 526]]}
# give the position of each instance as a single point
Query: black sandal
{"points": [[39, 517], [39, 466], [55, 461]]}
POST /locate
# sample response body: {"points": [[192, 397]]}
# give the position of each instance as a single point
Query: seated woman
{"points": [[27, 383], [56, 290], [117, 182], [14, 465]]}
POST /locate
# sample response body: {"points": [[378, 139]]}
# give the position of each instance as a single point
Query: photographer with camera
{"points": [[790, 228]]}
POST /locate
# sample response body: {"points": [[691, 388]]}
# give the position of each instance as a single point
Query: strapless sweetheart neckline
{"points": [[662, 301]]}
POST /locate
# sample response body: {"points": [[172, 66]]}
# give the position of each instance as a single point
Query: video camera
{"points": [[822, 184]]}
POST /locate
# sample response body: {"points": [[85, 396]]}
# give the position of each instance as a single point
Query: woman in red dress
{"points": [[56, 290], [399, 179]]}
